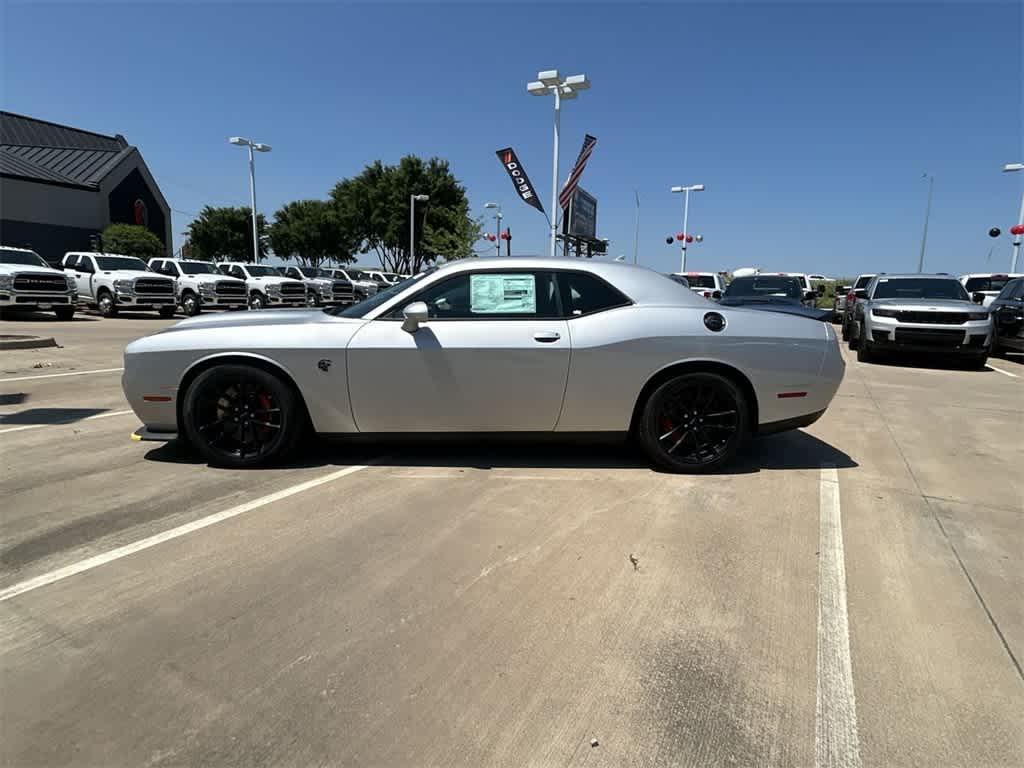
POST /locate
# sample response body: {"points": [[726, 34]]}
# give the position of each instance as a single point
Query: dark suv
{"points": [[1008, 317]]}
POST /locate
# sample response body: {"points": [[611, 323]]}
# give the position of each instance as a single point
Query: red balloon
{"points": [[1017, 229], [680, 236], [689, 238]]}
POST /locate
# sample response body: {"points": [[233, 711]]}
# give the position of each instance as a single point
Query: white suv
{"points": [[266, 285], [199, 285], [111, 281], [323, 288], [710, 285], [29, 283], [987, 284]]}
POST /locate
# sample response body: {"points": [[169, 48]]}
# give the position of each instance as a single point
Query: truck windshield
{"points": [[28, 258], [110, 263], [314, 272], [258, 270], [920, 288], [701, 281], [199, 268]]}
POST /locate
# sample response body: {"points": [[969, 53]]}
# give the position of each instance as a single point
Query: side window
{"points": [[158, 266], [236, 271], [292, 272], [85, 264], [585, 294], [489, 296]]}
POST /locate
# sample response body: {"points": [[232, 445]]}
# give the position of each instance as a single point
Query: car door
{"points": [[493, 356], [85, 275], [1009, 314]]}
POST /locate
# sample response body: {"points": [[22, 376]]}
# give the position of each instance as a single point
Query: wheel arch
{"points": [[697, 366], [235, 358]]}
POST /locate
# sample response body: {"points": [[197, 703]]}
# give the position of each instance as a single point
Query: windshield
{"points": [[990, 283], [919, 288], [679, 279], [314, 272], [862, 281], [121, 262], [258, 270], [363, 307], [358, 274], [28, 258], [766, 286], [199, 268], [701, 281], [391, 276]]}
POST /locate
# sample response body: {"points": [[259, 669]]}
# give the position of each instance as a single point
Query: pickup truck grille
{"points": [[227, 288], [934, 318], [933, 337], [152, 287], [342, 288], [293, 290], [41, 283]]}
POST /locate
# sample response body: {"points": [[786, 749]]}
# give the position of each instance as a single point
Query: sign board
{"points": [[492, 293], [582, 218]]}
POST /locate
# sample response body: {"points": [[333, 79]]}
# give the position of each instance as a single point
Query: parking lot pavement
{"points": [[468, 605]]}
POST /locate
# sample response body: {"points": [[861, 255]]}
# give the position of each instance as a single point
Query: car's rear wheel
{"points": [[240, 416], [695, 422], [106, 305], [854, 335], [846, 331]]}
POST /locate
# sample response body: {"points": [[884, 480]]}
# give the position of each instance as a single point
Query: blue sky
{"points": [[810, 123]]}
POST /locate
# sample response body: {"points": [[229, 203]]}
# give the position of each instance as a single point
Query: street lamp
{"points": [[497, 227], [413, 199], [254, 146], [549, 82], [686, 212], [1009, 168], [927, 215]]}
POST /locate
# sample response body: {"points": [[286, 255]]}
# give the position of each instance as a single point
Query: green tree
{"points": [[132, 240], [374, 208], [226, 233], [310, 232]]}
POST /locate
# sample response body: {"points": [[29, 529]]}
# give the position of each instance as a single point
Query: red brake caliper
{"points": [[264, 401]]}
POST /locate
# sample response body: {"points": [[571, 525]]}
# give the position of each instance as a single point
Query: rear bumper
{"points": [[785, 425]]}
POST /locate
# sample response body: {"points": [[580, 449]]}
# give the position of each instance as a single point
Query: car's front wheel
{"points": [[190, 304], [240, 416], [694, 422], [257, 300], [105, 302]]}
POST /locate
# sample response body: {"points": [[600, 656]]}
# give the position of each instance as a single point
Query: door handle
{"points": [[546, 337]]}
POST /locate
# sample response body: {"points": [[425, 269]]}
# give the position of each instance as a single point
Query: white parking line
{"points": [[1000, 370], [58, 375], [65, 423], [130, 549], [836, 743]]}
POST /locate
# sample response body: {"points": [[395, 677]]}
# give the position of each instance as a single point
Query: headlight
{"points": [[977, 315], [207, 289], [274, 288], [72, 285], [884, 312], [123, 286], [6, 282]]}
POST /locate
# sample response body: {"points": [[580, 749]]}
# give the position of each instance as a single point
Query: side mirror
{"points": [[414, 314], [810, 294], [978, 298], [716, 295]]}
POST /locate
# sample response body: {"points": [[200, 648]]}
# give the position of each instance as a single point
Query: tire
{"points": [[105, 304], [864, 352], [846, 331], [257, 300], [190, 305], [977, 363], [167, 312], [64, 313], [675, 404], [853, 335], [217, 427]]}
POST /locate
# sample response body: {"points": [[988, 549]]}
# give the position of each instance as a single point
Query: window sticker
{"points": [[502, 294]]}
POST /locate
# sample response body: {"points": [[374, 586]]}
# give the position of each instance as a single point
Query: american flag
{"points": [[577, 171]]}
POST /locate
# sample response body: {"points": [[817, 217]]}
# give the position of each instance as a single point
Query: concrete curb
{"points": [[26, 342]]}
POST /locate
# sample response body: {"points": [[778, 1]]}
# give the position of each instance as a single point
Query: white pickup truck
{"points": [[200, 285], [323, 288], [113, 282], [266, 286], [29, 283]]}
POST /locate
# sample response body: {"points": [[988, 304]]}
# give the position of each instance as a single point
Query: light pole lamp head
{"points": [[421, 198], [578, 82], [549, 77], [242, 142], [537, 88], [261, 147], [492, 205], [1009, 167], [697, 188]]}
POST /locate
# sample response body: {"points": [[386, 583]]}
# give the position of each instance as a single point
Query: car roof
{"points": [[992, 274], [914, 275], [642, 284], [16, 248], [99, 253]]}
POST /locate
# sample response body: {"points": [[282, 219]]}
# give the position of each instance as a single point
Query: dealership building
{"points": [[61, 186]]}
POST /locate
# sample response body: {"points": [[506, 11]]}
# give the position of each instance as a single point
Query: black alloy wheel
{"points": [[694, 423], [240, 416], [190, 304]]}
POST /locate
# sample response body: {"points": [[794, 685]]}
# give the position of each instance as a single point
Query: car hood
{"points": [[11, 269], [938, 305], [131, 274], [250, 319], [785, 306], [208, 278]]}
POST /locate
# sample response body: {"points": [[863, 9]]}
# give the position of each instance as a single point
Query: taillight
{"points": [[851, 298], [707, 294]]}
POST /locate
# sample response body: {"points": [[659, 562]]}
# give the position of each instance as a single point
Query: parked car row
{"points": [[110, 282]]}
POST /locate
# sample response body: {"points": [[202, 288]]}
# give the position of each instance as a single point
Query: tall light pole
{"points": [[549, 82], [413, 199], [636, 227], [254, 146], [1009, 168], [927, 215], [497, 227], [686, 213]]}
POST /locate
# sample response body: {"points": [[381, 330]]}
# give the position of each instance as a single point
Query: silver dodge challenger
{"points": [[523, 345]]}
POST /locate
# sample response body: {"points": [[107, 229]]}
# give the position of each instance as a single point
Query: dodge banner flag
{"points": [[519, 178]]}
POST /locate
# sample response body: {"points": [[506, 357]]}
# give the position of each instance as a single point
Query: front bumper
{"points": [[21, 300], [971, 338], [142, 300]]}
